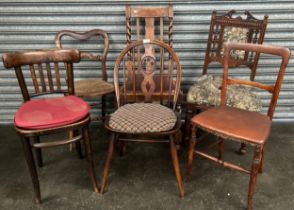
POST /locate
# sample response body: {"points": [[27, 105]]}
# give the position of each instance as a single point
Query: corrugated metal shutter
{"points": [[27, 25]]}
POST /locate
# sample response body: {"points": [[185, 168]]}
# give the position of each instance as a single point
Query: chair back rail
{"points": [[45, 68], [274, 89]]}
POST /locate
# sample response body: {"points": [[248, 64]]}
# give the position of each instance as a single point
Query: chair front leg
{"points": [[32, 167], [175, 161], [189, 113], [78, 145], [38, 152], [89, 157], [253, 175], [192, 144], [107, 162]]}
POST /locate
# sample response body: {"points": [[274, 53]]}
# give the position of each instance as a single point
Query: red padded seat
{"points": [[50, 112]]}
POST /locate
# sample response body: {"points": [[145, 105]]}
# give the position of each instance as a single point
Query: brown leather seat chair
{"points": [[205, 93], [234, 124]]}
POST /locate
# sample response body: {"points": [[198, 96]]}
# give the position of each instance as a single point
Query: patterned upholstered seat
{"points": [[142, 118], [207, 91]]}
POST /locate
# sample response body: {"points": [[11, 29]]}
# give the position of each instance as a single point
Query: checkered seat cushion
{"points": [[142, 118], [207, 91]]}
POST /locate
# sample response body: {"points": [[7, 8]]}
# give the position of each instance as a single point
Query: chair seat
{"points": [[92, 87], [50, 112], [207, 91], [233, 123], [142, 118]]}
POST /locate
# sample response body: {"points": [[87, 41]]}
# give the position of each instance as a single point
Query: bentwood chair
{"points": [[146, 108], [90, 87], [234, 124], [42, 73], [205, 93]]}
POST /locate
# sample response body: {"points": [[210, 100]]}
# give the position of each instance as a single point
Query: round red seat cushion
{"points": [[51, 112]]}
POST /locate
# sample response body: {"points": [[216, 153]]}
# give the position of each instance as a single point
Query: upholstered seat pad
{"points": [[92, 87], [207, 91], [233, 123], [50, 112], [142, 118]]}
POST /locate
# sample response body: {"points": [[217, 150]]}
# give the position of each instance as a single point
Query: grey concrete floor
{"points": [[144, 179]]}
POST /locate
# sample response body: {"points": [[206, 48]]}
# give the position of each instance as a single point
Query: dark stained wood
{"points": [[144, 88], [79, 37], [30, 138], [214, 50], [238, 125]]}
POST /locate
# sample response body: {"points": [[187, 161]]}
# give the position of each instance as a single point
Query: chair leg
{"points": [[192, 144], [32, 167], [189, 113], [103, 102], [122, 148], [242, 149], [260, 169], [220, 148], [174, 156], [78, 145], [107, 162], [253, 175], [38, 152], [88, 149]]}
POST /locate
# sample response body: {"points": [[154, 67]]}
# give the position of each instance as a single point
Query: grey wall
{"points": [[27, 25]]}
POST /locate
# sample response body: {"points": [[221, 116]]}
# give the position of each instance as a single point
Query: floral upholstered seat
{"points": [[207, 91]]}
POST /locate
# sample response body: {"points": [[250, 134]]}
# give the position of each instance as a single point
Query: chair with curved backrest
{"points": [[89, 88], [234, 124], [205, 93], [145, 107], [43, 116]]}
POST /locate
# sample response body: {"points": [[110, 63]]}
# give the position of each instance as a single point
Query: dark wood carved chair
{"points": [[205, 93], [51, 73], [145, 107], [230, 123], [89, 88]]}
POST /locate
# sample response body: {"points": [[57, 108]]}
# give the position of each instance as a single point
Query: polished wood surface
{"points": [[42, 65], [143, 90], [234, 124]]}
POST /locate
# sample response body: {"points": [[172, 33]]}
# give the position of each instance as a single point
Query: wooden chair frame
{"points": [[258, 159], [124, 96], [30, 138], [256, 31], [82, 36]]}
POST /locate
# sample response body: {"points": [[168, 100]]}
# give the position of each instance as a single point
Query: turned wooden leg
{"points": [[260, 170], [103, 102], [107, 162], [192, 144], [189, 113], [175, 161], [89, 157], [32, 168], [78, 145], [220, 148], [123, 148], [38, 152], [242, 149], [253, 175]]}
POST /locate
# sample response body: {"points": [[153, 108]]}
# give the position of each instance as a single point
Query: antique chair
{"points": [[94, 87], [42, 116], [234, 124], [151, 112], [206, 92]]}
